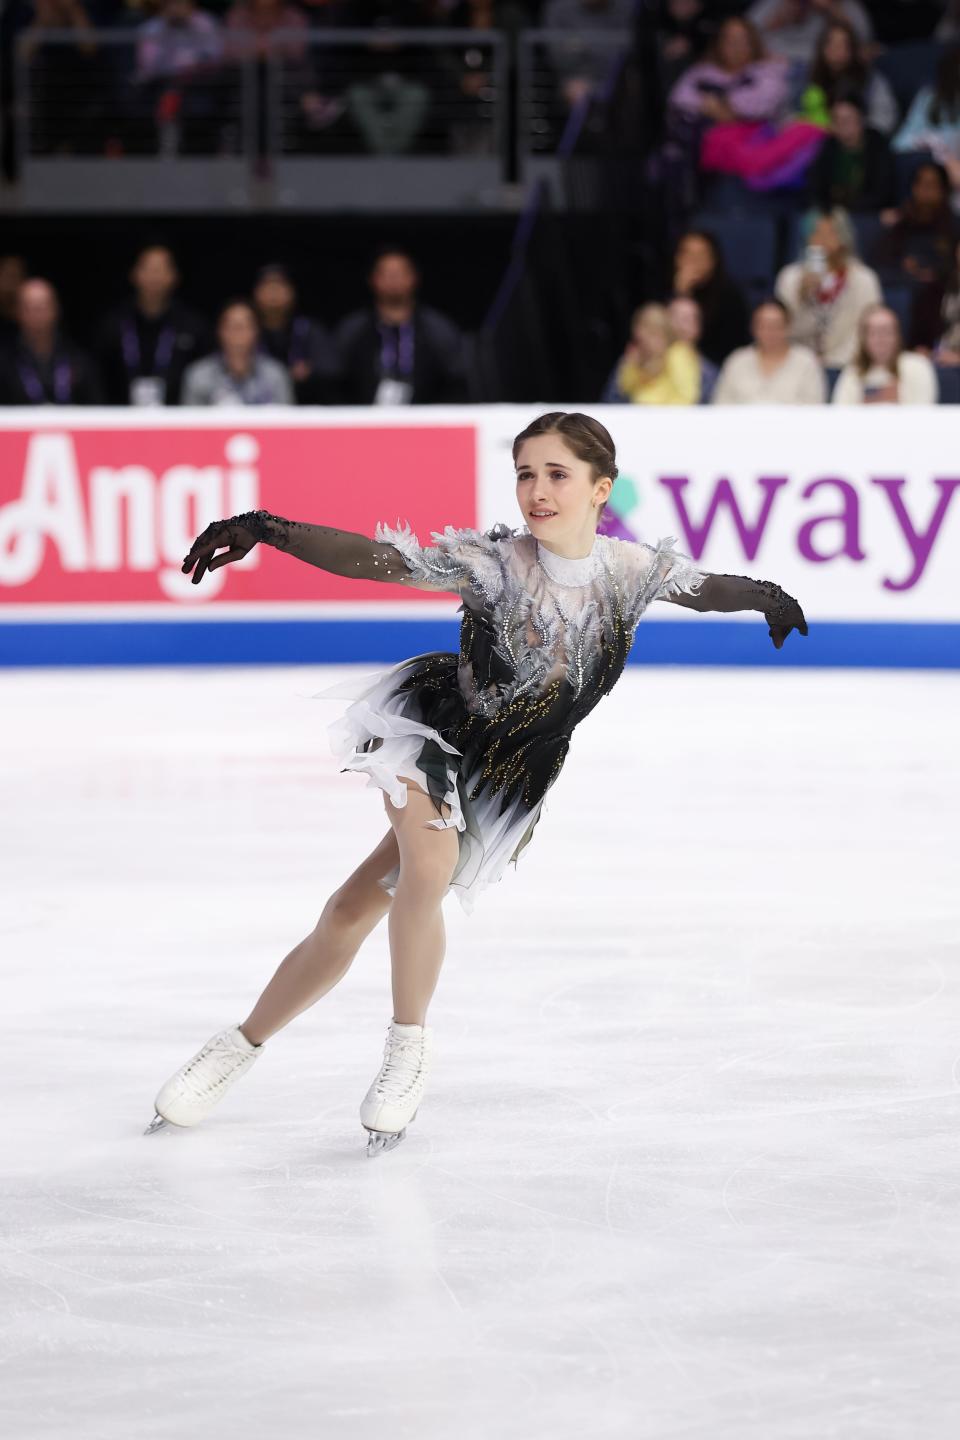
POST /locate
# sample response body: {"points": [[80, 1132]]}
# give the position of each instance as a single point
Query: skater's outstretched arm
{"points": [[738, 592], [342, 552]]}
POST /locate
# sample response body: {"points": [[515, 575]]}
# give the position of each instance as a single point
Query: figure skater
{"points": [[464, 746]]}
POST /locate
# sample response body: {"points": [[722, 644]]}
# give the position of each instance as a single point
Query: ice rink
{"points": [[689, 1160]]}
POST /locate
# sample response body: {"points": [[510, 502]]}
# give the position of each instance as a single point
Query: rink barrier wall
{"points": [[340, 641], [855, 511]]}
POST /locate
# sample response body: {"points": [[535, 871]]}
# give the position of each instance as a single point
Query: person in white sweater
{"points": [[883, 373], [771, 371], [828, 290]]}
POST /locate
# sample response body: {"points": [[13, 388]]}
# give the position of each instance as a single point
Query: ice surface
{"points": [[689, 1160]]}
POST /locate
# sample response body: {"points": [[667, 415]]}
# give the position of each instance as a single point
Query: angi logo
{"points": [[125, 518]]}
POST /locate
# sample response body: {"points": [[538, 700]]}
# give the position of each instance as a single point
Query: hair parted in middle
{"points": [[587, 438]]}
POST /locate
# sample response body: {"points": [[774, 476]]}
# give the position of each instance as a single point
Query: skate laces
{"points": [[214, 1066], [402, 1067]]}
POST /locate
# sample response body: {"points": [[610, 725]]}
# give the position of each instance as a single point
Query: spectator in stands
{"points": [[584, 62], [855, 168], [686, 318], [883, 373], [728, 114], [946, 350], [237, 374], [178, 42], [700, 274], [179, 54], [840, 69], [933, 120], [656, 368], [296, 341], [41, 366], [146, 344], [398, 351], [828, 289], [792, 27], [13, 272], [918, 249], [771, 371]]}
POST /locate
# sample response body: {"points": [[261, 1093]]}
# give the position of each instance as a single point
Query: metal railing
{"points": [[405, 118]]}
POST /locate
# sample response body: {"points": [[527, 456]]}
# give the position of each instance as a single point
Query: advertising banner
{"points": [[854, 511]]}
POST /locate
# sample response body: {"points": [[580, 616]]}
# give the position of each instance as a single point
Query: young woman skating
{"points": [[464, 746]]}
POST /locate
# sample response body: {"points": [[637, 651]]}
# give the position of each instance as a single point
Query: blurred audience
{"points": [[41, 366], [686, 318], [397, 351], [173, 90], [299, 343], [854, 169], [656, 367], [13, 272], [828, 289], [792, 27], [883, 372], [933, 120], [237, 373], [699, 274], [146, 344], [946, 349], [840, 69], [178, 42], [918, 248], [736, 80], [771, 371], [583, 62]]}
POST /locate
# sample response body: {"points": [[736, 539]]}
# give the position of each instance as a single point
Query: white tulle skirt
{"points": [[379, 712]]}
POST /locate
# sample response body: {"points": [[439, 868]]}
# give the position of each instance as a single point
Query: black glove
{"points": [[782, 613]]}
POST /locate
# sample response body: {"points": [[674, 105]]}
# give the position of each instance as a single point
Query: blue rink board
{"points": [[289, 642]]}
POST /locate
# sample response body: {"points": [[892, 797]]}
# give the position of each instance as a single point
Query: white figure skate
{"points": [[393, 1099], [194, 1089]]}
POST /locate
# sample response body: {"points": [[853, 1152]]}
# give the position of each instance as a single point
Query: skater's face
{"points": [[558, 494]]}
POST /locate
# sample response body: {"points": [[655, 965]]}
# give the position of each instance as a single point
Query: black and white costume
{"points": [[543, 638]]}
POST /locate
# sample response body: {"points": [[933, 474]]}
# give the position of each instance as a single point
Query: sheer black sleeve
{"points": [[739, 592], [342, 552]]}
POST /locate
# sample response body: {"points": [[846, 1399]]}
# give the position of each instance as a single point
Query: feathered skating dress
{"points": [[486, 731]]}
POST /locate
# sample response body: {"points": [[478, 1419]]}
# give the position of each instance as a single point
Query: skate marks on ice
{"points": [[685, 1170]]}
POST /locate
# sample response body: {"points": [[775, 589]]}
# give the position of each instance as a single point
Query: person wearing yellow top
{"points": [[656, 368]]}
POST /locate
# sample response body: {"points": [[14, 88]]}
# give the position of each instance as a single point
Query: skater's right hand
{"points": [[219, 535]]}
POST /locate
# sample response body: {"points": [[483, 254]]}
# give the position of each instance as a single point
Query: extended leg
{"points": [[316, 964]]}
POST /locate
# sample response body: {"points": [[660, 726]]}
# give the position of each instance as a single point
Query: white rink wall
{"points": [[855, 512]]}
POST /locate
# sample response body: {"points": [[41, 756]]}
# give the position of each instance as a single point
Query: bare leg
{"points": [[321, 959], [417, 934]]}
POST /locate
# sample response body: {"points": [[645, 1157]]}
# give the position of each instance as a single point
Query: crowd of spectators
{"points": [[792, 105], [804, 112], [178, 82], [261, 349]]}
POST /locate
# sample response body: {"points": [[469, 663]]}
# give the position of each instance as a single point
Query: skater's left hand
{"points": [[783, 619]]}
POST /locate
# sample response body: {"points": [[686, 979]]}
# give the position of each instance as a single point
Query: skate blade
{"points": [[379, 1141], [157, 1123]]}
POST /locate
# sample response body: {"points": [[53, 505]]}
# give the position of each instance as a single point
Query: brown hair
{"points": [[863, 361], [586, 437], [757, 48]]}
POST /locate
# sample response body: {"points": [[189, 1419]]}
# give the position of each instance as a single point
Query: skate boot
{"points": [[194, 1089], [394, 1097]]}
